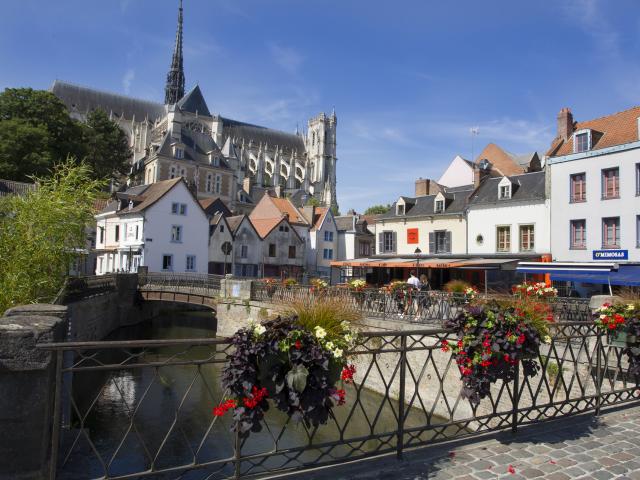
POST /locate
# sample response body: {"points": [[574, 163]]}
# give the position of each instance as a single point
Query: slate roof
{"points": [[345, 224], [615, 129], [83, 99], [424, 206], [234, 222], [528, 187], [142, 196], [11, 187], [258, 134], [213, 206], [194, 102]]}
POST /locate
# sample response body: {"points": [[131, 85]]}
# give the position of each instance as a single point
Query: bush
{"points": [[327, 312], [456, 286]]}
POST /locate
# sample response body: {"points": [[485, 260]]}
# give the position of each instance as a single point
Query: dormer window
{"points": [[582, 141], [505, 192], [216, 162], [179, 153], [400, 209], [439, 207]]}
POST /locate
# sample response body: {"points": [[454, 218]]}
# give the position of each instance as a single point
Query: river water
{"points": [[131, 411]]}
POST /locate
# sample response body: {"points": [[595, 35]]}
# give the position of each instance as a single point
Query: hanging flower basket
{"points": [[282, 363], [621, 324], [493, 339]]}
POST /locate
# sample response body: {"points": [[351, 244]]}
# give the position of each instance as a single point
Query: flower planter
{"points": [[621, 339]]}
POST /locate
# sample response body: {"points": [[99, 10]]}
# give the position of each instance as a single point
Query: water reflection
{"points": [[163, 415]]}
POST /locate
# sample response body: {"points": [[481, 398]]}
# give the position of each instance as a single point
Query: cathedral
{"points": [[217, 156]]}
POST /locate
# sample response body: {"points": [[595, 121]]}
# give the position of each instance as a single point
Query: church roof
{"points": [[258, 134], [194, 102], [83, 99]]}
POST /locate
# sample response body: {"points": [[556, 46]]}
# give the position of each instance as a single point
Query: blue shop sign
{"points": [[611, 254]]}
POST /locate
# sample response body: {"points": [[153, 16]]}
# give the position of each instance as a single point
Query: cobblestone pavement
{"points": [[582, 447]]}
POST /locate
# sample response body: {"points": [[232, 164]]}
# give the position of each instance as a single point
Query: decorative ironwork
{"points": [[417, 403]]}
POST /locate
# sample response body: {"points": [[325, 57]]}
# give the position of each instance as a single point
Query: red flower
{"points": [[341, 396], [460, 344], [444, 346], [347, 373], [485, 363], [298, 344], [521, 339], [511, 469], [466, 371], [221, 409], [256, 396], [506, 358]]}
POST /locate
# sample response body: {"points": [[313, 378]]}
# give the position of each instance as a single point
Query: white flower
{"points": [[630, 307], [348, 338], [259, 329], [546, 339], [344, 324], [602, 317], [329, 345], [337, 352], [320, 332]]}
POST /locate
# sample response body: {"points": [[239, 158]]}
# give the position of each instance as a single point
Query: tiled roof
{"points": [[502, 161], [286, 207], [11, 187], [528, 187], [264, 225], [318, 217], [615, 129]]}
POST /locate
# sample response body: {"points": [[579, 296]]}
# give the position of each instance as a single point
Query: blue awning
{"points": [[627, 275], [598, 273]]}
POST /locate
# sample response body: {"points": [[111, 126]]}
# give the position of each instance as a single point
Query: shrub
{"points": [[327, 312], [289, 282], [456, 286]]}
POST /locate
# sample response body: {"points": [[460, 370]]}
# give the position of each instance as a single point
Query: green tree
{"points": [[312, 202], [41, 232], [107, 148], [377, 209]]}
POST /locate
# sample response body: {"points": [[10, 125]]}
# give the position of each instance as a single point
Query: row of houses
{"points": [[164, 227], [580, 202]]}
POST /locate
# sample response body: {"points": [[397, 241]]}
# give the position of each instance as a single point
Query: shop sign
{"points": [[611, 254]]}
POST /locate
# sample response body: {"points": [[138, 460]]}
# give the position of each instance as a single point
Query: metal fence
{"points": [[138, 409], [193, 282], [79, 288], [421, 307]]}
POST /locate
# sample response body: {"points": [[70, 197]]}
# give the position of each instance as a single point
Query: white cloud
{"points": [[127, 79], [288, 58]]}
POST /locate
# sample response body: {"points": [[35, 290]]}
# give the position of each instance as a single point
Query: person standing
{"points": [[413, 280]]}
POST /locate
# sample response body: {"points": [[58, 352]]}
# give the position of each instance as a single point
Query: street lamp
{"points": [[417, 252]]}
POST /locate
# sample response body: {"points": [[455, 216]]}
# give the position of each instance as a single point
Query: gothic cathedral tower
{"points": [[174, 89], [321, 157]]}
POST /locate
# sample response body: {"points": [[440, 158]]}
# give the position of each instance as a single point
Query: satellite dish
{"points": [[226, 248]]}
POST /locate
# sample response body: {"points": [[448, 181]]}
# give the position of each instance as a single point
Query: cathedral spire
{"points": [[174, 90]]}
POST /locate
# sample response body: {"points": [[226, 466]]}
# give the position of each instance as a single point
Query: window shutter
{"points": [[432, 242], [447, 242], [394, 243], [380, 242]]}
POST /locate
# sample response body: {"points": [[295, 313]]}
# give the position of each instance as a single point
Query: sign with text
{"points": [[611, 254], [412, 235]]}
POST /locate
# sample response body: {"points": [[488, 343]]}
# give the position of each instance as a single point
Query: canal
{"points": [[137, 416]]}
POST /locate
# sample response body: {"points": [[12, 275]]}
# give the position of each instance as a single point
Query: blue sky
{"points": [[407, 78]]}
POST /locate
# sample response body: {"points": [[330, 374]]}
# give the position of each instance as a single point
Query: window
{"points": [[183, 172], [183, 209], [610, 183], [442, 241], [292, 251], [364, 249], [504, 239], [505, 192], [218, 184], [400, 209], [637, 179], [179, 208], [101, 234], [283, 228], [216, 162], [272, 249], [578, 234], [209, 183], [581, 142], [117, 233], [172, 171], [387, 242], [179, 153], [175, 207], [136, 232], [167, 262], [327, 254], [244, 251], [221, 228], [439, 206], [611, 232], [176, 233], [578, 188], [328, 236], [191, 263], [527, 238]]}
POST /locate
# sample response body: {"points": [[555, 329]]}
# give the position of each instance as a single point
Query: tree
{"points": [[107, 148], [41, 233], [36, 132], [377, 209], [312, 202]]}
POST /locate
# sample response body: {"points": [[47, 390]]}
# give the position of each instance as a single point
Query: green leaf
{"points": [[297, 378]]}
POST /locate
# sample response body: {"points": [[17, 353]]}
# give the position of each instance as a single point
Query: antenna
{"points": [[474, 132]]}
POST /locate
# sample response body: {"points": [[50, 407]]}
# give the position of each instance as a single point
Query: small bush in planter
{"points": [[295, 362], [456, 286], [290, 282], [622, 319], [494, 337], [318, 285]]}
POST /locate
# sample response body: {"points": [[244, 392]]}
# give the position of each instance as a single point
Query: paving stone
{"points": [[574, 472], [591, 466], [608, 461], [485, 475], [622, 456], [619, 469], [602, 475], [480, 465], [557, 476], [581, 457], [566, 462], [532, 473]]}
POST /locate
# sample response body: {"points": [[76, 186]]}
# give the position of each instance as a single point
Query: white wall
{"points": [[195, 232], [458, 173], [484, 220], [215, 243], [456, 225], [627, 207]]}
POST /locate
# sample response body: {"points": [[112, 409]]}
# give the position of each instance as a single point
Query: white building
{"points": [[220, 246], [161, 226], [355, 240], [595, 188], [458, 173], [322, 246], [509, 215]]}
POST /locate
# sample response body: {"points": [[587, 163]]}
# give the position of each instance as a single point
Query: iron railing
{"points": [[422, 307], [79, 288], [140, 409], [199, 283]]}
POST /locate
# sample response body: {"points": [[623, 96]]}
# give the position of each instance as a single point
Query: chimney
{"points": [[425, 186], [565, 123]]}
